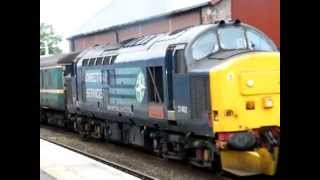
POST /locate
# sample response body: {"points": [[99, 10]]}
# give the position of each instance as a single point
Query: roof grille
{"points": [[107, 60], [137, 41]]}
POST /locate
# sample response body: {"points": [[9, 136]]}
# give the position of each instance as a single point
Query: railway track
{"points": [[123, 168]]}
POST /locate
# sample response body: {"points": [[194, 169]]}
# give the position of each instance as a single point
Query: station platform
{"points": [[59, 163]]}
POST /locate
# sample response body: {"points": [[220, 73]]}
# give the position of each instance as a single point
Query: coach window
{"points": [[257, 41], [205, 45]]}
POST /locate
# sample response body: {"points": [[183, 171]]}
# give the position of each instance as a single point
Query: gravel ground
{"points": [[131, 157]]}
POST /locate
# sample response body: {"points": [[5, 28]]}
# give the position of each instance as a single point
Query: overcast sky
{"points": [[66, 16]]}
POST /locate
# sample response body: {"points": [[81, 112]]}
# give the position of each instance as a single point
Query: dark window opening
{"points": [[180, 62], [173, 123], [155, 84], [99, 61], [92, 61], [85, 62], [68, 70]]}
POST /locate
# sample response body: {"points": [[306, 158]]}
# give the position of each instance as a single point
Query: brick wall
{"points": [[263, 14], [184, 20], [137, 30], [129, 32], [219, 11]]}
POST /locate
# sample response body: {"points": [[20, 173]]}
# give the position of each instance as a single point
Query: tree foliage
{"points": [[49, 38]]}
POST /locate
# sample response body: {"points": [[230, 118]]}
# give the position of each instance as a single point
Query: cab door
{"points": [[177, 83]]}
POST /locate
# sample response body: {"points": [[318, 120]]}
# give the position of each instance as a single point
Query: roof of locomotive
{"points": [[150, 46], [59, 59], [155, 46], [147, 46]]}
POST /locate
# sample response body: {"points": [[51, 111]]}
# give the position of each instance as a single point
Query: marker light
{"points": [[267, 102], [229, 112], [215, 116], [250, 105]]}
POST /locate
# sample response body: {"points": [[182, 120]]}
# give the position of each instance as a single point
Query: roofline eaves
{"points": [[143, 20]]}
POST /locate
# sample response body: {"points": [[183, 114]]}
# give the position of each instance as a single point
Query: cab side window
{"points": [[180, 62]]}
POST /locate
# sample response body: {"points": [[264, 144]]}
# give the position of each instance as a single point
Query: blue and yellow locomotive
{"points": [[207, 94]]}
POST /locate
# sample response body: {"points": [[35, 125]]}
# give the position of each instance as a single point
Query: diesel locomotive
{"points": [[206, 94]]}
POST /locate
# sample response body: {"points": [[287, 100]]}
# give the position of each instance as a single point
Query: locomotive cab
{"points": [[244, 88], [223, 41], [229, 74]]}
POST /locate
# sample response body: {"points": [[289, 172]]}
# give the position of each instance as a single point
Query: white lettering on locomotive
{"points": [[183, 109], [94, 93], [93, 76]]}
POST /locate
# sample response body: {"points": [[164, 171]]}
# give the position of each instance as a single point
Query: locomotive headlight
{"points": [[250, 83], [267, 102]]}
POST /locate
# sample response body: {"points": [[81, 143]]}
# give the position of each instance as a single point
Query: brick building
{"points": [[123, 19]]}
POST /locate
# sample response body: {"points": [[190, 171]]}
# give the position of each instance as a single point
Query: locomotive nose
{"points": [[245, 92], [245, 96]]}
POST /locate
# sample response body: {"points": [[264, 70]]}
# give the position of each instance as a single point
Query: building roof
{"points": [[125, 12]]}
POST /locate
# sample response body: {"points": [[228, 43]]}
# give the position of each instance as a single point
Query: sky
{"points": [[66, 16]]}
